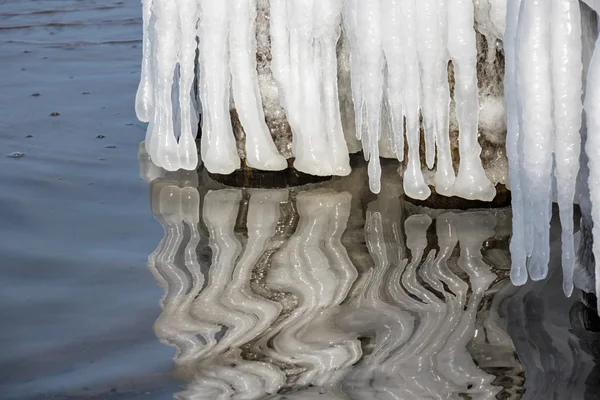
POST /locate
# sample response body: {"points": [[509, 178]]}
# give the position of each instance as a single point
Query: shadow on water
{"points": [[326, 291]]}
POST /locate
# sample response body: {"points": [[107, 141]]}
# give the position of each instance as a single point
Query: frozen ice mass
{"points": [[271, 82]]}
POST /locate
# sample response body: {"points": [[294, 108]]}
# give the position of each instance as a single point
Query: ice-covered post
{"points": [[311, 81]]}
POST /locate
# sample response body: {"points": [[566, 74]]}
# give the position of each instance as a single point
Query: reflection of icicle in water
{"points": [[315, 267], [210, 322], [428, 359], [261, 294]]}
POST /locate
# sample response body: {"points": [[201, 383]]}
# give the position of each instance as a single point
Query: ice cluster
{"points": [[200, 59]]}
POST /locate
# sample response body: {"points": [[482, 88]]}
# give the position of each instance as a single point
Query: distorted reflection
{"points": [[327, 291]]}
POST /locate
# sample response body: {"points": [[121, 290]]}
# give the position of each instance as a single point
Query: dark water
{"points": [[77, 301], [319, 292]]}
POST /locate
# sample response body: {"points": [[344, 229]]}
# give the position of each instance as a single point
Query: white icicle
{"points": [[350, 15], [310, 142], [162, 143], [471, 182], [534, 79], [430, 52], [518, 272], [218, 146], [567, 85], [413, 181], [187, 150], [444, 174], [144, 107], [261, 152], [391, 21], [592, 149], [328, 16], [370, 49]]}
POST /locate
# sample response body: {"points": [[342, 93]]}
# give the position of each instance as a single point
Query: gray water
{"points": [[95, 295], [77, 301]]}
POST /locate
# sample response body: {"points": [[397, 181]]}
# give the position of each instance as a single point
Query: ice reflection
{"points": [[329, 292]]}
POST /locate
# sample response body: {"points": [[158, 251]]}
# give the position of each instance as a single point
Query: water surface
{"points": [[119, 280]]}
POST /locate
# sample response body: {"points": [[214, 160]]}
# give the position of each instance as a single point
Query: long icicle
{"points": [[329, 14], [471, 181], [430, 52], [218, 147], [261, 152], [163, 145], [393, 51], [535, 90], [444, 174], [144, 107], [567, 68], [187, 150], [518, 272], [413, 181], [370, 46]]}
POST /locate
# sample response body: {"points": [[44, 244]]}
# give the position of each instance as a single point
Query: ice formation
{"points": [[549, 78], [200, 58]]}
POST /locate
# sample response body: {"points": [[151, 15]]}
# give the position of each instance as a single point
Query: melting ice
{"points": [[199, 58]]}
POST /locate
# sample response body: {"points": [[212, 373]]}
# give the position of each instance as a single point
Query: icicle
{"points": [[144, 107], [444, 174], [413, 181], [518, 273], [567, 85], [370, 49], [430, 53], [350, 26], [187, 150], [218, 147], [471, 182], [535, 91], [261, 152], [328, 15], [592, 149], [162, 143], [393, 51], [310, 144]]}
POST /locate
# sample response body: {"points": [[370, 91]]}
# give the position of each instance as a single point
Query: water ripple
{"points": [[286, 293]]}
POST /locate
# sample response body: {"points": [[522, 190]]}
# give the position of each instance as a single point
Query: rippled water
{"points": [[323, 291]]}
